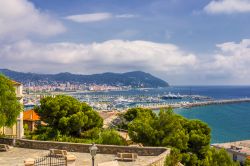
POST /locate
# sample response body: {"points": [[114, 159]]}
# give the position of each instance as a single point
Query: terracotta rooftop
{"points": [[30, 115]]}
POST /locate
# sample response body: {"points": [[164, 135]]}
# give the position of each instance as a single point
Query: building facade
{"points": [[238, 151]]}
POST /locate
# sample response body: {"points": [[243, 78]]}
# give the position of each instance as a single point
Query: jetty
{"points": [[196, 104]]}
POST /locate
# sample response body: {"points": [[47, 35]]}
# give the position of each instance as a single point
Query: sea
{"points": [[228, 122]]}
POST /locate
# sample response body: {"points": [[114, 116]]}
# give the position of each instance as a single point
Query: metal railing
{"points": [[51, 160]]}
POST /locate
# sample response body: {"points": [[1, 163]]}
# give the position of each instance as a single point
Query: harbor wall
{"points": [[197, 104]]}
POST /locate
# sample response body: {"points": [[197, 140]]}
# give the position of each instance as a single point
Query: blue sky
{"points": [[174, 21], [184, 42]]}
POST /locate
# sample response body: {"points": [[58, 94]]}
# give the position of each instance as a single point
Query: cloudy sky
{"points": [[185, 42]]}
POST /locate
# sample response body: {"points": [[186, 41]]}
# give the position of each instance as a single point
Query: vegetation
{"points": [[188, 139], [247, 162], [9, 106], [69, 120], [67, 115], [97, 135]]}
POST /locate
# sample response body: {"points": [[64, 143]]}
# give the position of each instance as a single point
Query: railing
{"points": [[51, 160]]}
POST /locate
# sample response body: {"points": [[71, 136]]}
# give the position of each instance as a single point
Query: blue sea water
{"points": [[216, 92], [229, 122]]}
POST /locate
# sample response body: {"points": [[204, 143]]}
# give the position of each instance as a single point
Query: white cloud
{"points": [[20, 18], [113, 55], [230, 64], [94, 17], [228, 6], [126, 16]]}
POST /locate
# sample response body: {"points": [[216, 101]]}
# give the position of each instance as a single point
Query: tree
{"points": [[163, 130], [142, 130], [170, 129], [218, 158], [132, 113], [67, 115], [199, 137], [247, 162], [111, 137], [124, 119], [173, 158], [10, 107]]}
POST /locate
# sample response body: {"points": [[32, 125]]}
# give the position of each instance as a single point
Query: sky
{"points": [[185, 42]]}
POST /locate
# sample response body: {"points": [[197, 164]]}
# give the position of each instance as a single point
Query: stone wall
{"points": [[78, 147], [159, 160], [8, 141]]}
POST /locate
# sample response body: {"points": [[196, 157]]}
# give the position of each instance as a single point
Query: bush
{"points": [[173, 158], [93, 133], [247, 162], [111, 137]]}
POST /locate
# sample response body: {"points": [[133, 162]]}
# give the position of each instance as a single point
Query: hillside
{"points": [[133, 79]]}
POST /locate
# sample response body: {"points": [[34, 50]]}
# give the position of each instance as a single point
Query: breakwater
{"points": [[196, 104]]}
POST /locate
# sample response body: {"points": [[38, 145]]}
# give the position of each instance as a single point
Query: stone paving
{"points": [[16, 157]]}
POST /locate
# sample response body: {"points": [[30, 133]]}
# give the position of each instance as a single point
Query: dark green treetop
{"points": [[68, 115]]}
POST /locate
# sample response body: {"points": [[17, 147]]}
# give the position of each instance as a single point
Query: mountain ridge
{"points": [[132, 78]]}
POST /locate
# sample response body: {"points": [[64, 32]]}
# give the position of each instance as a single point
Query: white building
{"points": [[239, 151]]}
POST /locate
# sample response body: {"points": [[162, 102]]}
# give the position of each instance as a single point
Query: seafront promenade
{"points": [[196, 104]]}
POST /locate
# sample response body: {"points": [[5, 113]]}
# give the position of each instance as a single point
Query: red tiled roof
{"points": [[30, 115]]}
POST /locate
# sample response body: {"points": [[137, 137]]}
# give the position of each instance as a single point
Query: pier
{"points": [[196, 104]]}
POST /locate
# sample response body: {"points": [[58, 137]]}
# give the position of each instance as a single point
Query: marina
{"points": [[196, 104]]}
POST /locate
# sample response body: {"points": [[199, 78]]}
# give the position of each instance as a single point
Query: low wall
{"points": [[78, 147], [159, 160], [8, 141]]}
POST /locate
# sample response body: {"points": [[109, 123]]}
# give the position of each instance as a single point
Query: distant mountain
{"points": [[134, 79]]}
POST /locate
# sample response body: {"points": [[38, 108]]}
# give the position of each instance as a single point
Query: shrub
{"points": [[111, 137], [93, 133]]}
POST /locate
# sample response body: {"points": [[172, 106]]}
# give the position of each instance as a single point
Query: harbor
{"points": [[196, 104]]}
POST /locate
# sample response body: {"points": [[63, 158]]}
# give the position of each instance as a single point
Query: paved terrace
{"points": [[16, 157]]}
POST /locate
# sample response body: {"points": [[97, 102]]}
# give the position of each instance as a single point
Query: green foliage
{"points": [[218, 158], [173, 158], [130, 115], [67, 115], [94, 119], [10, 108], [111, 137], [190, 159], [247, 162], [93, 133], [170, 130], [166, 129], [142, 130], [189, 139], [26, 130], [199, 137]]}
